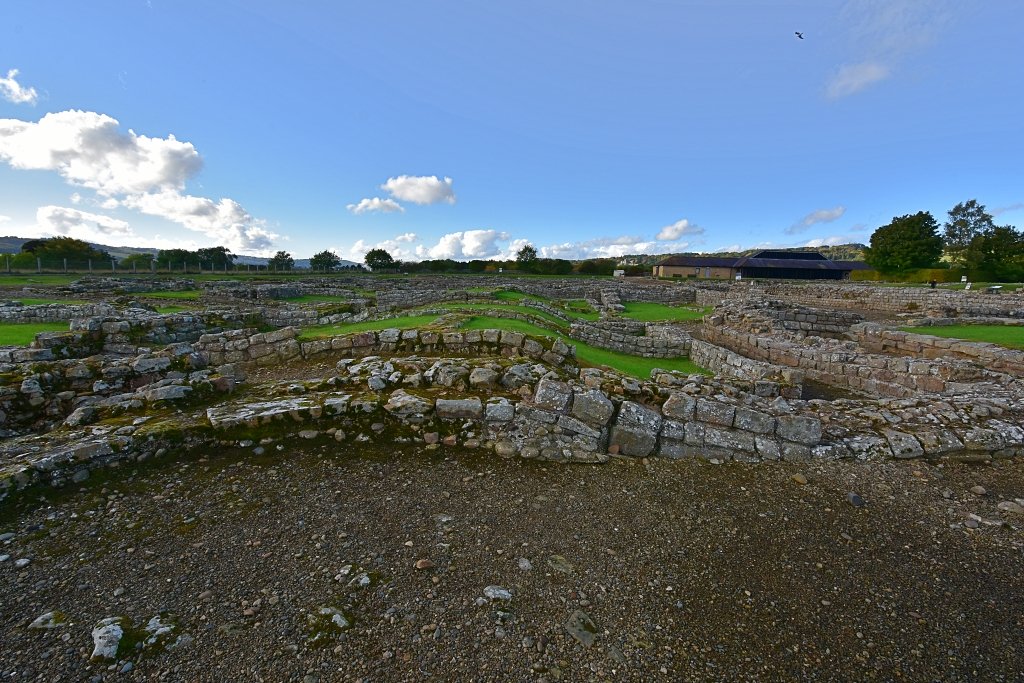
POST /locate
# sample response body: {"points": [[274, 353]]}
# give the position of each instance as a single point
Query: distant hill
{"points": [[12, 245]]}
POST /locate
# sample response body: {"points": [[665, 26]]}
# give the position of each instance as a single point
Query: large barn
{"points": [[791, 265]]}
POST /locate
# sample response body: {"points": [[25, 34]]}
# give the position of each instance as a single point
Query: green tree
{"points": [[380, 259], [910, 241], [324, 261], [998, 252], [526, 258], [177, 258], [141, 262], [215, 257], [967, 220], [54, 251], [282, 260]]}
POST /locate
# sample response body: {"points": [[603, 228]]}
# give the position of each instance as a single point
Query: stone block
{"points": [[459, 408], [752, 420], [592, 406], [715, 412], [552, 395], [679, 406], [799, 428]]}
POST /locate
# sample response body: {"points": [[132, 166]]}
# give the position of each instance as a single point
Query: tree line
{"points": [[526, 261], [969, 240]]}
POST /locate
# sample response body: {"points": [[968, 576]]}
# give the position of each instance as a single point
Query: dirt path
{"points": [[688, 571]]}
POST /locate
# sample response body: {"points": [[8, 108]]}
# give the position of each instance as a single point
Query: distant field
{"points": [[651, 312], [21, 334], [319, 331], [1005, 335]]}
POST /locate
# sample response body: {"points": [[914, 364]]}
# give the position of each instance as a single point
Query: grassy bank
{"points": [[1005, 335], [21, 334]]}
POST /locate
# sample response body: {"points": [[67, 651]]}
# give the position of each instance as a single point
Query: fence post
{"points": [[113, 266], [135, 267], [90, 266], [65, 265], [39, 265], [8, 263]]}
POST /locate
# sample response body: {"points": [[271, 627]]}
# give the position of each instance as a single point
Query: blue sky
{"points": [[465, 129]]}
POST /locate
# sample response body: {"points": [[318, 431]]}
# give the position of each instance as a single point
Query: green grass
{"points": [[20, 334], [318, 331], [317, 299], [184, 294], [1010, 336], [174, 309], [589, 355], [505, 295], [509, 307], [18, 279], [650, 312]]}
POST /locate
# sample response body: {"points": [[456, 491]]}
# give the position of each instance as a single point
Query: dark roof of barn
{"points": [[756, 261]]}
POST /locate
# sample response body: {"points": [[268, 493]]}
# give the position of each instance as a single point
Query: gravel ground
{"points": [[685, 570]]}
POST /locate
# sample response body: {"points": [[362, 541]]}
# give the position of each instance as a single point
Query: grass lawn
{"points": [[318, 331], [174, 309], [20, 334], [317, 299], [1005, 335], [185, 294], [649, 312], [590, 355], [25, 279], [505, 295], [454, 305]]}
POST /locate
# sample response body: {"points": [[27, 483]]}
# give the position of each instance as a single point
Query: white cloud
{"points": [[399, 247], [15, 92], [852, 78], [88, 150], [60, 221], [420, 189], [609, 247], [828, 241], [465, 245], [375, 204], [4, 219], [815, 217], [225, 221], [682, 227], [1006, 209], [883, 34], [129, 170]]}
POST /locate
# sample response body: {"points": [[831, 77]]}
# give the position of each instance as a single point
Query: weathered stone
{"points": [[799, 428], [715, 412], [407, 406], [552, 395], [499, 411], [754, 421], [592, 406], [635, 430], [463, 408], [482, 378], [903, 445], [679, 406]]}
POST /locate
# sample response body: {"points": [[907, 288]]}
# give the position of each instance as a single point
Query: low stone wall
{"points": [[887, 299], [15, 312], [653, 346], [770, 380], [845, 366], [879, 339]]}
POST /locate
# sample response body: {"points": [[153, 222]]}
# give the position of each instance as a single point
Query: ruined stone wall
{"points": [[787, 382], [623, 337], [879, 339], [15, 312], [845, 366], [887, 299]]}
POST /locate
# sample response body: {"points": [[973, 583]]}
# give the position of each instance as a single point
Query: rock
{"points": [[581, 627], [524, 564], [799, 428], [978, 490], [424, 564], [408, 407], [482, 378], [459, 408], [22, 563], [560, 564], [799, 478], [171, 392], [106, 638], [592, 407], [635, 431], [855, 500], [1011, 507], [497, 593], [309, 434], [47, 621], [552, 395]]}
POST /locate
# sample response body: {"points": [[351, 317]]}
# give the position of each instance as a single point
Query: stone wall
{"points": [[846, 366], [622, 336], [770, 380], [15, 312], [879, 339], [951, 303]]}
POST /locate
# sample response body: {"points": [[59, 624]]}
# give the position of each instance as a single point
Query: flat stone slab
{"points": [[297, 408]]}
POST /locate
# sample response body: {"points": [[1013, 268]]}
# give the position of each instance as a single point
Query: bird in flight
{"points": [[799, 35]]}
